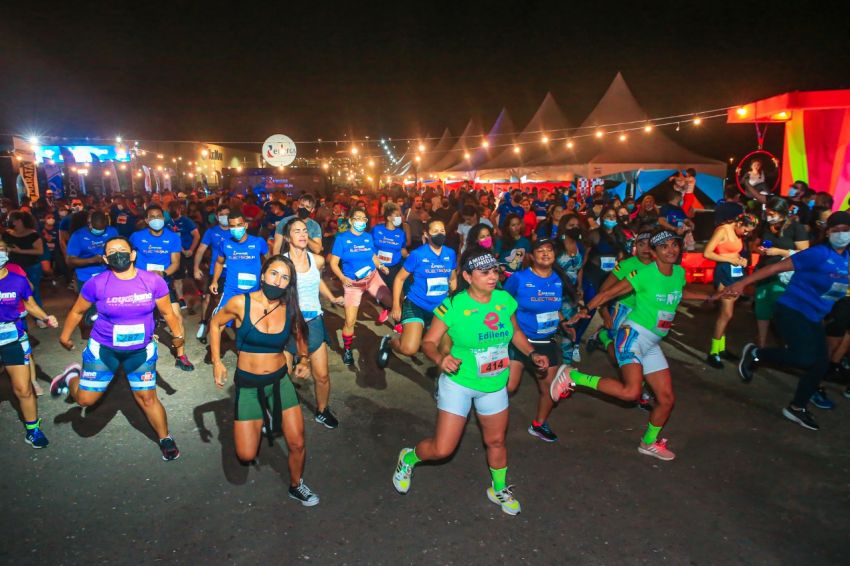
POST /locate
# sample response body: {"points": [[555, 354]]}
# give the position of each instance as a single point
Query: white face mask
{"points": [[839, 240], [397, 221], [4, 258], [222, 221]]}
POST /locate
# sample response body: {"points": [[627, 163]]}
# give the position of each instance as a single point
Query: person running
{"points": [[265, 397], [820, 279], [658, 288], [212, 240], [125, 298], [512, 246], [310, 285], [725, 247], [538, 291], [571, 261], [243, 255], [480, 319], [158, 251], [355, 262], [390, 239], [433, 267], [15, 351], [479, 235], [190, 237]]}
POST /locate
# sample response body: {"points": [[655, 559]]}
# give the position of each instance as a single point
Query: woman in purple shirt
{"points": [[125, 299]]}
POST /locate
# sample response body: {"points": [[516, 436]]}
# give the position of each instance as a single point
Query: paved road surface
{"points": [[747, 486]]}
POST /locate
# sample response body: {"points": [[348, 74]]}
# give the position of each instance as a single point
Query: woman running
{"points": [[434, 274], [390, 239], [512, 246], [480, 321], [310, 285], [122, 337], [724, 248], [820, 279], [15, 349], [658, 288], [571, 260], [355, 261], [265, 320]]}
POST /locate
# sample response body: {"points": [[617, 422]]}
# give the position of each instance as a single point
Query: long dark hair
{"points": [[287, 228], [508, 240], [474, 232], [290, 298]]}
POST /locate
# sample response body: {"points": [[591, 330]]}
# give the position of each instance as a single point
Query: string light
{"points": [[517, 149], [742, 111], [466, 155], [622, 137], [421, 147], [545, 139], [204, 153], [118, 139], [485, 143], [647, 128], [697, 121], [570, 144], [354, 150], [599, 133]]}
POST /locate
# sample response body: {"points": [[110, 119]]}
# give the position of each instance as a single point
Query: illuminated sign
{"points": [[82, 153]]}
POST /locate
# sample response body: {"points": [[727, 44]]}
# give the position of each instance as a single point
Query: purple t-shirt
{"points": [[124, 308], [13, 290]]}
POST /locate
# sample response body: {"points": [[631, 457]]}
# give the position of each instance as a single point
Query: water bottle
{"points": [[767, 244]]}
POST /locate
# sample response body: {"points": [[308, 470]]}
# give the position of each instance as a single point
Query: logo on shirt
{"points": [[130, 299], [669, 298], [8, 295], [491, 321]]}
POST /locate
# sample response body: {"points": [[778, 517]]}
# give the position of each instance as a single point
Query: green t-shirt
{"points": [[625, 268], [656, 297], [480, 336]]}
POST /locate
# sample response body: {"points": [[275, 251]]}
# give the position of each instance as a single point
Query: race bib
{"points": [[8, 333], [547, 322], [491, 361], [128, 335], [385, 257], [837, 291], [246, 281], [155, 267], [737, 271], [607, 263], [363, 272], [665, 321], [437, 286]]}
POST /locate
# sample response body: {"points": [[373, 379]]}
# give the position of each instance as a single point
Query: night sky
{"points": [[192, 71]]}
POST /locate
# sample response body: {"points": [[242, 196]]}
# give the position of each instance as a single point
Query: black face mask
{"points": [[119, 261], [273, 292], [303, 213], [574, 233], [438, 239], [623, 219]]}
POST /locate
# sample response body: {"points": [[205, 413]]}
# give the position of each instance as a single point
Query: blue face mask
{"points": [[237, 233], [360, 226], [610, 224], [630, 207], [811, 203], [156, 224], [792, 192], [97, 232]]}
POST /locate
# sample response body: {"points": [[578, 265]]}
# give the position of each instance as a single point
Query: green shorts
{"points": [[546, 347], [411, 312], [767, 293], [249, 406]]}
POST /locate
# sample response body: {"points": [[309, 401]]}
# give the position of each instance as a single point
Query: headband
{"points": [[643, 236], [663, 236], [481, 262]]}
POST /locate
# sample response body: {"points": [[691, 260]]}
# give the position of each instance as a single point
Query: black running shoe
{"points": [[347, 357], [169, 449], [593, 343], [208, 356], [836, 374], [383, 357], [730, 356], [714, 361], [327, 418], [749, 358], [800, 416], [303, 494]]}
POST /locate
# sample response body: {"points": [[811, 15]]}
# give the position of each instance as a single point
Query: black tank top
{"points": [[250, 339]]}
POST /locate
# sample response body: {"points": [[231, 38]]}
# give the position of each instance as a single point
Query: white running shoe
{"points": [[658, 450], [576, 354], [563, 385], [59, 384]]}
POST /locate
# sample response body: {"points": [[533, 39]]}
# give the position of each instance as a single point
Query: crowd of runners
{"points": [[490, 286]]}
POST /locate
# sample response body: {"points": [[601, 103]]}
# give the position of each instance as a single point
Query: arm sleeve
{"points": [[313, 229], [337, 249], [207, 238], [444, 311], [73, 245], [511, 284], [637, 278], [809, 259], [410, 262], [264, 247], [174, 245], [160, 287]]}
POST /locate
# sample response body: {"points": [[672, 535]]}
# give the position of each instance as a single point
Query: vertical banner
{"points": [[29, 178], [73, 179], [114, 185], [54, 180], [166, 180], [147, 171]]}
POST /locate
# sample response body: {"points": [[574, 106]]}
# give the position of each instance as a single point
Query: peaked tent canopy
{"points": [[468, 140], [435, 154], [500, 134]]}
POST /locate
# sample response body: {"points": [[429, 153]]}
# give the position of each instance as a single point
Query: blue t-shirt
{"points": [[506, 208], [552, 231], [183, 226], [674, 215], [820, 279], [65, 223], [244, 261], [153, 253], [85, 245], [213, 238], [539, 302], [431, 275], [388, 244], [355, 254], [541, 209], [123, 221]]}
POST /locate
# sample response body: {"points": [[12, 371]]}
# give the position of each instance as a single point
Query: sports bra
{"points": [[250, 339], [730, 247]]}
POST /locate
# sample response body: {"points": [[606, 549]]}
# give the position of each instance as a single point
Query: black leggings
{"points": [[805, 348]]}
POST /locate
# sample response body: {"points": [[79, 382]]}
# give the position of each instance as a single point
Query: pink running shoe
{"points": [[59, 384], [385, 314], [563, 385], [658, 450]]}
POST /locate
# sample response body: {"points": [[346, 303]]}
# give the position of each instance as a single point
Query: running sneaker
{"points": [[657, 449], [327, 418], [403, 473], [800, 416], [821, 401], [37, 389], [645, 401], [505, 499], [563, 385], [543, 432], [714, 361], [169, 449], [576, 354], [182, 304], [749, 357], [183, 363], [35, 438], [382, 318], [59, 384], [836, 374], [383, 357], [303, 494], [202, 328], [594, 343], [347, 357]]}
